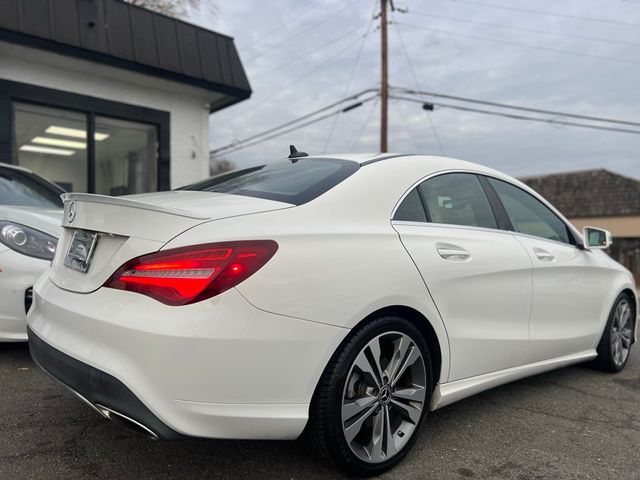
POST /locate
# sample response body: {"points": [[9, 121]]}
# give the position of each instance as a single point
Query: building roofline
{"points": [[577, 172], [116, 33], [589, 193]]}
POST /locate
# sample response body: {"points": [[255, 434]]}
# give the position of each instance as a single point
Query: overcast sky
{"points": [[302, 66]]}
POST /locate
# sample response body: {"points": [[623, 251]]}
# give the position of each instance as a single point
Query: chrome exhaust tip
{"points": [[126, 422]]}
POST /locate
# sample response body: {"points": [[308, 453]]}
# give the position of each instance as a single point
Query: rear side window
{"points": [[411, 208], [295, 182], [457, 199], [529, 215]]}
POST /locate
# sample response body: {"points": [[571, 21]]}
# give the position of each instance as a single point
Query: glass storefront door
{"points": [[126, 161], [53, 142]]}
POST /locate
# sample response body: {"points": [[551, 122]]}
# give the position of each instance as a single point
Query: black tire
{"points": [[325, 426], [606, 359]]}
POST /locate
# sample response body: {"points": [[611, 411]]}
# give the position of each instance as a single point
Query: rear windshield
{"points": [[23, 189], [295, 182]]}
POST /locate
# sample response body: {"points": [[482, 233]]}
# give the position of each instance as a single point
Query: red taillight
{"points": [[190, 274]]}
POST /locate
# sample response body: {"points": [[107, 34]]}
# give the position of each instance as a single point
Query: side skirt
{"points": [[448, 393]]}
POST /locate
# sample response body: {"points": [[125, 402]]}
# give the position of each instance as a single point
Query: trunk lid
{"points": [[130, 226]]}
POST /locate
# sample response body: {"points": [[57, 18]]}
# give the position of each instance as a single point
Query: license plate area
{"points": [[80, 250]]}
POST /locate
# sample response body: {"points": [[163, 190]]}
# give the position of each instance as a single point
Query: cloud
{"points": [[583, 82]]}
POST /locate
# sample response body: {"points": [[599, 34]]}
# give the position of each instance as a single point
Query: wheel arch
{"points": [[632, 294], [425, 327], [634, 298]]}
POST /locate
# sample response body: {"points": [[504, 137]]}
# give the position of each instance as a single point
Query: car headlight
{"points": [[27, 241]]}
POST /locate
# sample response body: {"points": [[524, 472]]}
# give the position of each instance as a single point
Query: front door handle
{"points": [[452, 252], [544, 255]]}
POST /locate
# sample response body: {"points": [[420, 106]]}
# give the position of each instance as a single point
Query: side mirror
{"points": [[596, 238]]}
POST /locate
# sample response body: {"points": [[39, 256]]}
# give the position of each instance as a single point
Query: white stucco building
{"points": [[104, 97]]}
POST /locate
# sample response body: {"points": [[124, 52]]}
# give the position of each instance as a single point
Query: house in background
{"points": [[598, 198], [104, 97]]}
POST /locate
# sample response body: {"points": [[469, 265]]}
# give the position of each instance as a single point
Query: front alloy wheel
{"points": [[621, 333], [373, 396], [615, 345]]}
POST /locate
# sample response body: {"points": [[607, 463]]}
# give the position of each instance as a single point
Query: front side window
{"points": [[295, 182], [457, 199], [529, 215]]}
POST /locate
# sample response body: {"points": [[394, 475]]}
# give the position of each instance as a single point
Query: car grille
{"points": [[28, 299]]}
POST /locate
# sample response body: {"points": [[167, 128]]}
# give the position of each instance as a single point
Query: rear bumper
{"points": [[220, 368], [95, 387]]}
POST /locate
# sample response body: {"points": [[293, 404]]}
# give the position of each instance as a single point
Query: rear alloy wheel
{"points": [[615, 345], [373, 397]]}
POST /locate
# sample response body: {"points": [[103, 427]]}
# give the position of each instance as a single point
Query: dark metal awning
{"points": [[122, 35]]}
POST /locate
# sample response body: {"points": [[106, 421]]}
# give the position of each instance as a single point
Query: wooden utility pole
{"points": [[384, 85]]}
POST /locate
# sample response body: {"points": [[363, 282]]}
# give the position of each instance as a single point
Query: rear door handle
{"points": [[452, 252], [544, 255]]}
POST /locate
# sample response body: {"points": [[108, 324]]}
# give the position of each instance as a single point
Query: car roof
{"points": [[361, 158], [431, 162], [419, 166]]}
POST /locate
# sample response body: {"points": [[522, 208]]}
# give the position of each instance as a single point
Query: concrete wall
{"points": [[187, 105]]}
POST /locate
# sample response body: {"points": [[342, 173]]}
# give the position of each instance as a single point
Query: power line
{"points": [[297, 127], [305, 30], [287, 22], [284, 88], [550, 121], [405, 125], [350, 79], [528, 30], [553, 14], [415, 78], [306, 54], [275, 135], [433, 129], [239, 143], [290, 122], [523, 45], [364, 125], [518, 107]]}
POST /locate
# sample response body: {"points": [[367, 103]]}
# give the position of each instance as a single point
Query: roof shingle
{"points": [[589, 193]]}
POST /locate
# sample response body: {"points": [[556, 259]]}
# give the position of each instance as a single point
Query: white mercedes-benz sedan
{"points": [[345, 295], [30, 213]]}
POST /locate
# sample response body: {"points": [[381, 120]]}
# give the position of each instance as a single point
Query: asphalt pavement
{"points": [[574, 423]]}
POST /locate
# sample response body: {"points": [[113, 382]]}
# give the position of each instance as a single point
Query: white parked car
{"points": [[30, 214], [349, 295]]}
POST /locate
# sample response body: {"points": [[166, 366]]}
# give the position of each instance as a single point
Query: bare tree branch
{"points": [[220, 166], [172, 8]]}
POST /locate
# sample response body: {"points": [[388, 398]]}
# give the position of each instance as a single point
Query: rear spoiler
{"points": [[71, 198]]}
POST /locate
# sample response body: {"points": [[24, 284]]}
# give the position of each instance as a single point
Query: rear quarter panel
{"points": [[337, 276], [339, 259]]}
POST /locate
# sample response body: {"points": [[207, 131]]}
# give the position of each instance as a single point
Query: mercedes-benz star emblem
{"points": [[72, 212]]}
